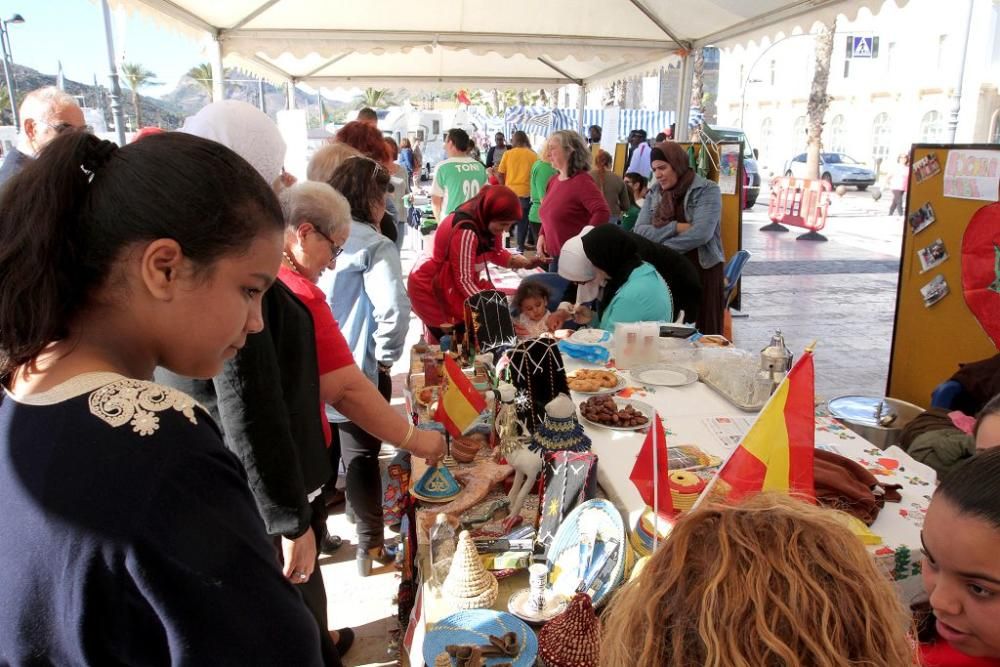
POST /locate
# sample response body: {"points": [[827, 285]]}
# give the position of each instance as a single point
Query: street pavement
{"points": [[841, 292]]}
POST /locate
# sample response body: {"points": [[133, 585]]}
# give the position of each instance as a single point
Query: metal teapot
{"points": [[775, 360]]}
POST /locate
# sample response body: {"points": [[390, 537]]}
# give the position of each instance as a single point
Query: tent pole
{"points": [[681, 131], [581, 104], [114, 88], [218, 71], [290, 94]]}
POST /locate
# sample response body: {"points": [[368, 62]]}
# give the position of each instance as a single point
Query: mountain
{"points": [[170, 110], [154, 111], [190, 96]]}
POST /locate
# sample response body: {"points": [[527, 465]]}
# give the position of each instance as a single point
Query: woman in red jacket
{"points": [[463, 244]]}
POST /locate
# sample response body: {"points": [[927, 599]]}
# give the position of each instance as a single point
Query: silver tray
{"points": [[737, 401]]}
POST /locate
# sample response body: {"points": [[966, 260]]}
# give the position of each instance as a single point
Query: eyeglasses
{"points": [[63, 128], [334, 248], [377, 165]]}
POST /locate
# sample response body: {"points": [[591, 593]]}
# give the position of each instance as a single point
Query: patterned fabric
{"points": [[560, 434], [536, 370], [570, 479], [136, 402], [488, 323]]}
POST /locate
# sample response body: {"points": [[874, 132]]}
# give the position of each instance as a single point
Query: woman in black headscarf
{"points": [[676, 270], [683, 211], [608, 267]]}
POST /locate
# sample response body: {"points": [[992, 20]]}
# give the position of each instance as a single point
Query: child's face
{"points": [[534, 308]]}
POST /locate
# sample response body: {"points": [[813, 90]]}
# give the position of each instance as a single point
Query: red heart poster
{"points": [[981, 269]]}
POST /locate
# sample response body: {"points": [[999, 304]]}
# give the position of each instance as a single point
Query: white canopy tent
{"points": [[477, 43]]}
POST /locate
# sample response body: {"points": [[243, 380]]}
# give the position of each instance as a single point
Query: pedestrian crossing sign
{"points": [[862, 47]]}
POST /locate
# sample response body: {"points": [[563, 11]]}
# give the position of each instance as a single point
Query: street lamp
{"points": [[8, 65], [757, 60], [743, 99]]}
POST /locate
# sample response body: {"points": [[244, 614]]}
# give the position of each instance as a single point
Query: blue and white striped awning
{"points": [[653, 122], [544, 121]]}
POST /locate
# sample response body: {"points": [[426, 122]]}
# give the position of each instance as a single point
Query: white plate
{"points": [[591, 337], [665, 375], [622, 383], [644, 408], [555, 604]]}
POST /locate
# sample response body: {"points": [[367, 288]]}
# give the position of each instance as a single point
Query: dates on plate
{"points": [[603, 410]]}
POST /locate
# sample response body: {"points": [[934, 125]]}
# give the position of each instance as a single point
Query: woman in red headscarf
{"points": [[456, 269]]}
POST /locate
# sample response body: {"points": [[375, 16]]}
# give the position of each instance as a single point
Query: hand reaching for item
{"points": [[428, 445]]}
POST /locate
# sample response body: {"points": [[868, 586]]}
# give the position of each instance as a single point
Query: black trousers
{"points": [[525, 230], [359, 451], [313, 592]]}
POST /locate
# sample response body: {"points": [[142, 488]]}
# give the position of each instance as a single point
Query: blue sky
{"points": [[73, 31]]}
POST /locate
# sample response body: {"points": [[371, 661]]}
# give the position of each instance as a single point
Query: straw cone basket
{"points": [[572, 639], [469, 585], [442, 660]]}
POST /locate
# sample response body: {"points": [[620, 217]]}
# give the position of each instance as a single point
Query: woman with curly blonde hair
{"points": [[772, 581]]}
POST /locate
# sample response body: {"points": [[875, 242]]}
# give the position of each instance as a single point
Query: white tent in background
{"points": [[478, 43]]}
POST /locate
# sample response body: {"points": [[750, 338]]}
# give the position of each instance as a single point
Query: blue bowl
{"points": [[474, 627]]}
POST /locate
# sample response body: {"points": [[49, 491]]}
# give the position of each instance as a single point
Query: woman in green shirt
{"points": [[541, 173]]}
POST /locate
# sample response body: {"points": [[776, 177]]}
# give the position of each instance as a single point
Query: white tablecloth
{"points": [[696, 415]]}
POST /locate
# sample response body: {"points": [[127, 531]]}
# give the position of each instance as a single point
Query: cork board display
{"points": [[948, 295]]}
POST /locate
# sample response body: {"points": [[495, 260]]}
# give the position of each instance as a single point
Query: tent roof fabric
{"points": [[447, 43]]}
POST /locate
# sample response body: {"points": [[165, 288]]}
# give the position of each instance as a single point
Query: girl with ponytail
{"points": [[128, 530]]}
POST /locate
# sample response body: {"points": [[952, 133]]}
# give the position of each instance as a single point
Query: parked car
{"points": [[749, 158], [834, 168]]}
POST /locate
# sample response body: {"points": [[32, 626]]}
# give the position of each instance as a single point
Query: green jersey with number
{"points": [[457, 180]]}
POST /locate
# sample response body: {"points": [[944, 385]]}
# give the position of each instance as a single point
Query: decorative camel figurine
{"points": [[514, 438]]}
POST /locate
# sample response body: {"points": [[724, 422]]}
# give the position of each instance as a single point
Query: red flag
{"points": [[459, 404], [777, 453], [653, 460], [463, 97]]}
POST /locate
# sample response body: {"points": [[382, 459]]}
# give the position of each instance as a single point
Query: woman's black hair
{"points": [[529, 289], [991, 408], [971, 486], [363, 182], [638, 178], [66, 218]]}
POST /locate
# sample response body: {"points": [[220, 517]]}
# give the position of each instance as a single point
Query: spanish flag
{"points": [[777, 453], [459, 404]]}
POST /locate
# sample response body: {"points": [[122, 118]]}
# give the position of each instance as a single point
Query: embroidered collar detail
{"points": [[136, 402]]}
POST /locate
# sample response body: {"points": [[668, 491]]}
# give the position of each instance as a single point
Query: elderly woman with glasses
{"points": [[367, 295]]}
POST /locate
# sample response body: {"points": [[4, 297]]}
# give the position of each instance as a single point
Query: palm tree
{"points": [[375, 98], [202, 75], [819, 100], [698, 83], [136, 76]]}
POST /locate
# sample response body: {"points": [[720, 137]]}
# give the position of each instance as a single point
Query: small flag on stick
{"points": [[459, 404], [650, 472], [777, 452]]}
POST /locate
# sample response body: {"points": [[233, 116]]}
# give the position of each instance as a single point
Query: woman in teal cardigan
{"points": [[610, 271]]}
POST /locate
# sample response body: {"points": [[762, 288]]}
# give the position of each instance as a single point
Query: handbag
{"points": [[848, 486]]}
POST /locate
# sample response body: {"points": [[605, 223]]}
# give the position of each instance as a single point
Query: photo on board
{"points": [[921, 218], [934, 291], [926, 167], [932, 255]]}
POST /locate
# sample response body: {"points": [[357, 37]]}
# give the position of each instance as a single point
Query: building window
{"points": [[741, 75], [890, 53], [995, 128], [837, 134], [799, 134], [766, 137], [881, 132], [773, 69], [931, 128]]}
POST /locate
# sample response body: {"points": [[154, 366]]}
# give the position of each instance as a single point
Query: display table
{"points": [[696, 415], [507, 280]]}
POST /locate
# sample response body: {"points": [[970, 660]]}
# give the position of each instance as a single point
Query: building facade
{"points": [[894, 77]]}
